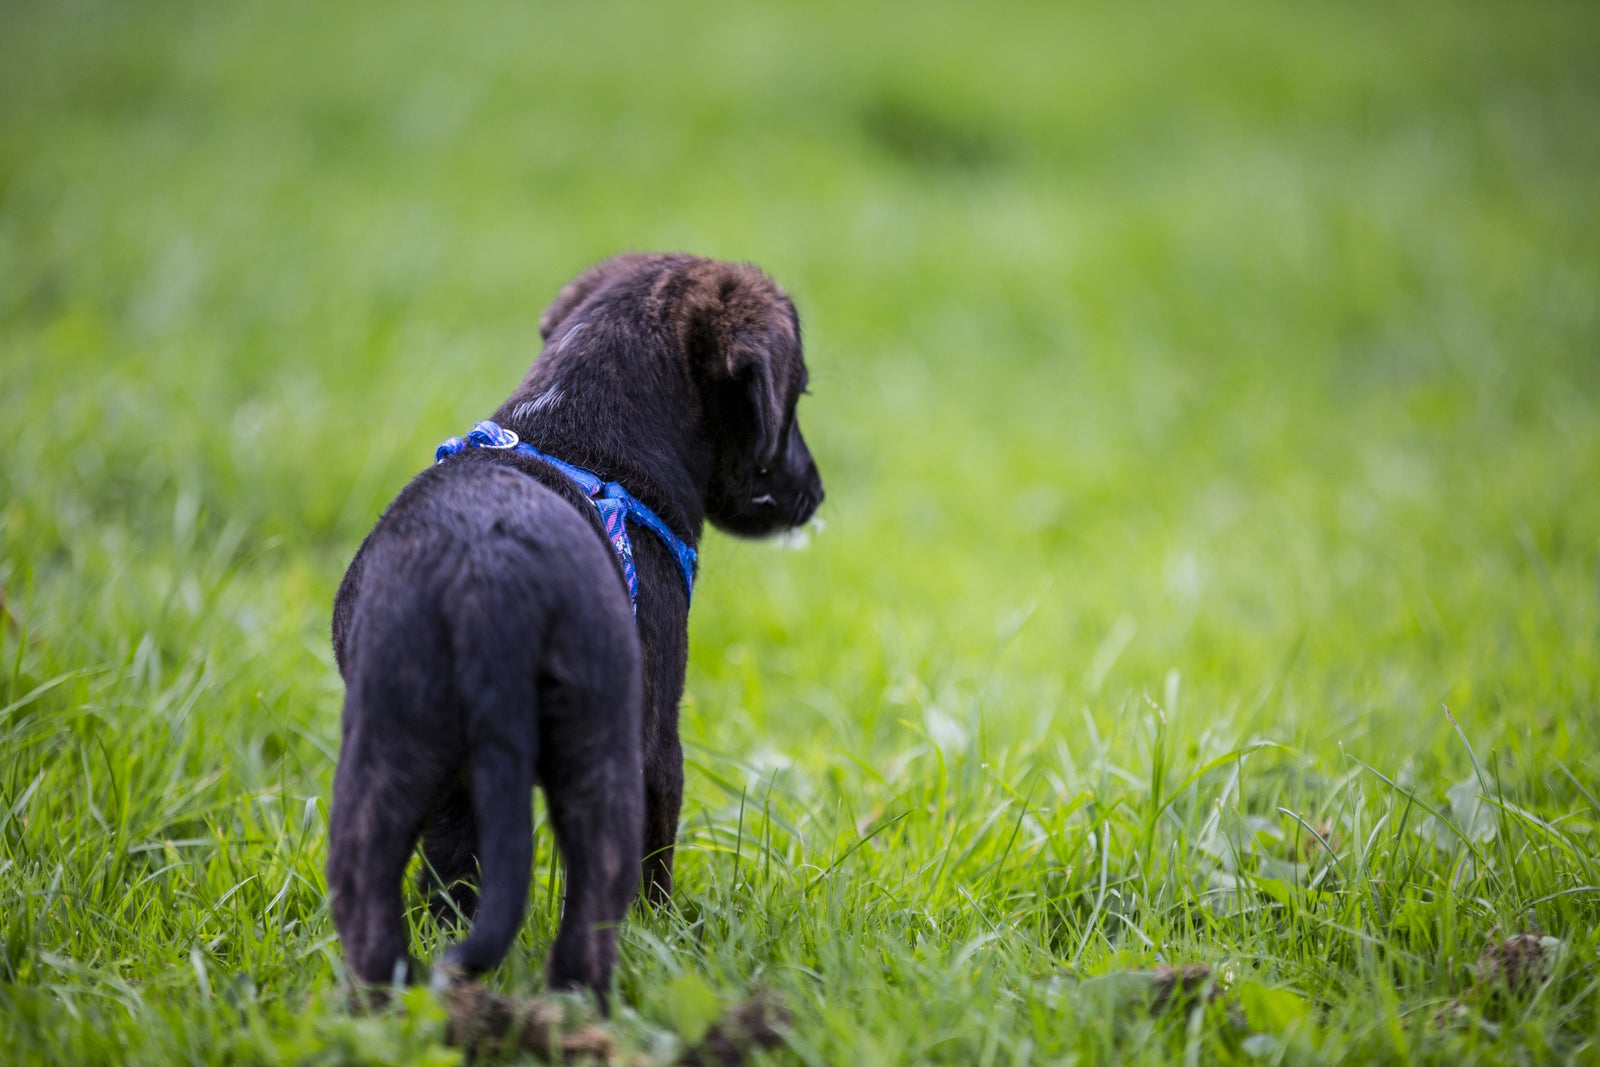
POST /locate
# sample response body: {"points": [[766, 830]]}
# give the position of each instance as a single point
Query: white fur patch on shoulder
{"points": [[529, 408]]}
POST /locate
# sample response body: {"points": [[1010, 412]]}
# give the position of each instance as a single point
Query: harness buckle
{"points": [[492, 435]]}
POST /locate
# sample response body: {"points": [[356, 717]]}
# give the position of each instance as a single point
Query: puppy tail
{"points": [[494, 676]]}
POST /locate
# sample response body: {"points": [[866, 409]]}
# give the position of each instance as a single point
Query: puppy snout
{"points": [[807, 501]]}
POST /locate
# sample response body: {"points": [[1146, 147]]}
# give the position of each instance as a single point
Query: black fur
{"points": [[484, 632]]}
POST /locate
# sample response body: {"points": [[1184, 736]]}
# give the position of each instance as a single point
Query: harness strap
{"points": [[614, 503]]}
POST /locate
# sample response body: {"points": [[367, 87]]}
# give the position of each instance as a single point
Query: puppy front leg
{"points": [[663, 631], [663, 799], [449, 874]]}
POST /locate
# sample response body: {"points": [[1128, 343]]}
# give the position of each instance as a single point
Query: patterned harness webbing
{"points": [[615, 504]]}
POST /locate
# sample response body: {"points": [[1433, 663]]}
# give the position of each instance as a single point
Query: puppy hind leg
{"points": [[372, 828], [501, 778], [597, 820]]}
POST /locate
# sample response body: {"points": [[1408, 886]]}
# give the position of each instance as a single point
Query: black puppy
{"points": [[484, 628]]}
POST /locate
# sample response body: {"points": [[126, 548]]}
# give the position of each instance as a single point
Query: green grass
{"points": [[1208, 396]]}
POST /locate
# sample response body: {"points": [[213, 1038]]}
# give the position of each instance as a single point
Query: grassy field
{"points": [[1209, 401]]}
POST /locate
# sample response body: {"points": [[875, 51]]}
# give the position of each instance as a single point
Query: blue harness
{"points": [[614, 503]]}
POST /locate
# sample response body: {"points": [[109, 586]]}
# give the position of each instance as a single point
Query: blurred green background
{"points": [[1241, 359]]}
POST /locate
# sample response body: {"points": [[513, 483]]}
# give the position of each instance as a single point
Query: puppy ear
{"points": [[579, 289], [751, 367], [742, 338]]}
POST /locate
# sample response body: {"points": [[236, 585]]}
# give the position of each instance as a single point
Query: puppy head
{"points": [[741, 336], [738, 336]]}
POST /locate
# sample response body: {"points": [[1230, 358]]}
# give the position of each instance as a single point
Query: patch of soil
{"points": [[1520, 964], [494, 1026], [1178, 986], [758, 1023], [487, 1023]]}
